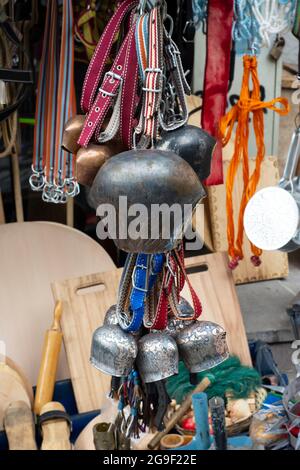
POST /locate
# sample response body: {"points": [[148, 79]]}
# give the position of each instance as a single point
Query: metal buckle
{"points": [[141, 289], [107, 93], [114, 76], [154, 70], [186, 26], [152, 90]]}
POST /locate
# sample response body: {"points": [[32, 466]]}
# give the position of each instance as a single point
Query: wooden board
{"points": [[34, 254], [84, 311], [274, 263], [12, 389]]}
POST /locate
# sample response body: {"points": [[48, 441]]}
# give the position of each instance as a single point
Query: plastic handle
{"points": [[292, 158]]}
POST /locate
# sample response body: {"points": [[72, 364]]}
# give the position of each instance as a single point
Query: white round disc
{"points": [[271, 218]]}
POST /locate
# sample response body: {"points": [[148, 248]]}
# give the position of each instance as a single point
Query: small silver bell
{"points": [[157, 357], [113, 351], [202, 345], [111, 317]]}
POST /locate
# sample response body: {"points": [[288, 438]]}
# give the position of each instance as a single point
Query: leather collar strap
{"points": [[110, 88], [174, 297], [216, 79], [156, 316], [124, 107], [153, 80], [173, 281], [97, 65], [139, 276]]}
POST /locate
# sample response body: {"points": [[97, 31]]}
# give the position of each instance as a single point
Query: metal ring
{"points": [[37, 181]]}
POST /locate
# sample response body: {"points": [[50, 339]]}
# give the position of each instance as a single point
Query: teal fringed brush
{"points": [[228, 376]]}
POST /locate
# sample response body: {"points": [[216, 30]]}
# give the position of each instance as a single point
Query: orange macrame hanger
{"points": [[249, 102]]}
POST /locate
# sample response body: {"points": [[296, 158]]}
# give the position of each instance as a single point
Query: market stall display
{"points": [[155, 346]]}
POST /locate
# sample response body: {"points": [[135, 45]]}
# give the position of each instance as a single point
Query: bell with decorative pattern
{"points": [[157, 357], [113, 351], [202, 345]]}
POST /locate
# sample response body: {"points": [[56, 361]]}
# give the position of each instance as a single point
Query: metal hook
{"points": [[142, 6]]}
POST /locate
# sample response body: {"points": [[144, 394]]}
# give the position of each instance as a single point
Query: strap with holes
{"points": [[95, 72]]}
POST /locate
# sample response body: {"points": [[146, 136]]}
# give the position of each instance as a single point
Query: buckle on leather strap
{"points": [[107, 93], [141, 289], [114, 76]]}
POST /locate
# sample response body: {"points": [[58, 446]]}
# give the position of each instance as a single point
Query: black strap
{"points": [[55, 414], [163, 403], [24, 77], [21, 96], [184, 31], [16, 76]]}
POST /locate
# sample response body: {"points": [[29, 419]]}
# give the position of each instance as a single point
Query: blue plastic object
{"points": [[202, 439]]}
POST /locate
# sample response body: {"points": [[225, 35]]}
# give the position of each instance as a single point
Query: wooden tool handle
{"points": [[49, 362], [185, 406]]}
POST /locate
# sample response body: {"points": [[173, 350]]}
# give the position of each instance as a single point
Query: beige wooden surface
{"points": [[216, 290], [19, 426], [55, 432], [12, 389], [84, 313], [275, 263], [32, 255], [23, 378]]}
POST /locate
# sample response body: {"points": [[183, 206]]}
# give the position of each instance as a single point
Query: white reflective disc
{"points": [[271, 218]]}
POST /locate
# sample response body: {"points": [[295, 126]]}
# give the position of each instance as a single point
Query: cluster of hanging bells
{"points": [[201, 345]]}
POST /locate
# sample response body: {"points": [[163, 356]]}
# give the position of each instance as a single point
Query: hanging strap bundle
{"points": [[150, 288], [144, 90], [249, 102], [53, 170]]}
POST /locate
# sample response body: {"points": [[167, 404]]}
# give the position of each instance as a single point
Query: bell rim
{"points": [[195, 370]]}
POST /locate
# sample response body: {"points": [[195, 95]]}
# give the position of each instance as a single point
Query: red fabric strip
{"points": [[218, 46]]}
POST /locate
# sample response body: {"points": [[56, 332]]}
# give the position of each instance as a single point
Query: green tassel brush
{"points": [[230, 376]]}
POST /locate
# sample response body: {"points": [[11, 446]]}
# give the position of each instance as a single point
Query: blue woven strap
{"points": [[144, 275]]}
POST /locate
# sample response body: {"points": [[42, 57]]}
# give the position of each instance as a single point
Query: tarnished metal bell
{"points": [[193, 144], [89, 160], [150, 179], [113, 351], [157, 357], [202, 345], [111, 317], [72, 131]]}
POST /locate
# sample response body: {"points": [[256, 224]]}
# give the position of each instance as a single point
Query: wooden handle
{"points": [[185, 406], [57, 316], [49, 362]]}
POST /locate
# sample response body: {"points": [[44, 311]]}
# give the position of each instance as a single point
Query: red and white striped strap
{"points": [[146, 131]]}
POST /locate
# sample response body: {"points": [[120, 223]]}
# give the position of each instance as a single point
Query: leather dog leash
{"points": [[102, 52]]}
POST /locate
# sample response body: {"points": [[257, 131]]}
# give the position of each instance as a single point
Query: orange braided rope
{"points": [[249, 101]]}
